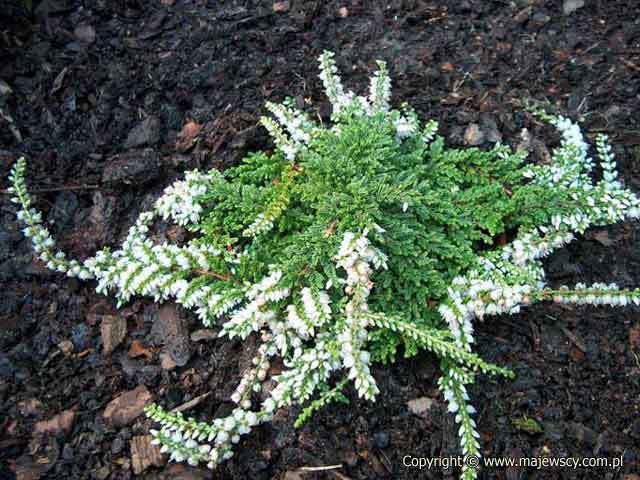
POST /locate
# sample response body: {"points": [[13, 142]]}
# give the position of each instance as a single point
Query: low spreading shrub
{"points": [[350, 243]]}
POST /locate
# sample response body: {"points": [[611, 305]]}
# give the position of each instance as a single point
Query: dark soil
{"points": [[100, 91]]}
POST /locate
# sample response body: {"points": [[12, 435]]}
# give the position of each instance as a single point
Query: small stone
{"points": [[204, 334], [380, 470], [293, 475], [535, 146], [420, 406], [64, 209], [473, 136], [66, 347], [570, 6], [117, 445], [144, 455], [113, 330], [466, 116], [80, 336], [602, 237], [576, 354], [74, 46], [101, 215], [257, 466], [171, 330], [635, 429], [146, 132], [381, 440], [447, 67], [101, 473], [612, 112], [280, 7], [60, 423], [85, 33], [67, 452], [133, 167], [187, 136], [539, 20], [350, 458], [582, 434], [125, 408], [7, 368], [523, 15], [34, 466], [166, 362], [137, 349], [464, 6], [490, 129], [176, 471], [553, 431], [30, 407]]}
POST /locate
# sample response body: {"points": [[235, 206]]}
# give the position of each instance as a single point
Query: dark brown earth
{"points": [[101, 90]]}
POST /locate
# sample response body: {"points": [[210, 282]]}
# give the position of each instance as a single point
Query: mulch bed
{"points": [[100, 94]]}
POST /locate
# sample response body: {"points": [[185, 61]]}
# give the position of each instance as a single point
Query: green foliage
{"points": [[457, 202], [527, 424], [327, 396]]}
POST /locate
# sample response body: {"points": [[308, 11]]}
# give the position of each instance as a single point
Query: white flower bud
{"points": [[229, 424]]}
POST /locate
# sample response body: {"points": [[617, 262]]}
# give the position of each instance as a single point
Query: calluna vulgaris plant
{"points": [[349, 242]]}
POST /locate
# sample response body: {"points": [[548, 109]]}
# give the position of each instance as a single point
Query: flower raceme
{"points": [[348, 243]]}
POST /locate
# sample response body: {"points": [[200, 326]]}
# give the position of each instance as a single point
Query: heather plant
{"points": [[352, 243]]}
